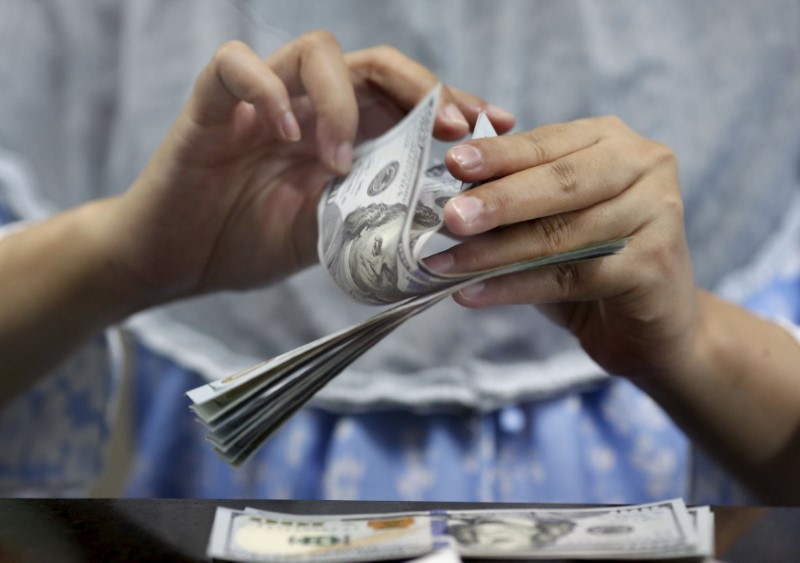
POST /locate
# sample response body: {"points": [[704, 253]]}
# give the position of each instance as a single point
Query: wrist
{"points": [[59, 289], [110, 290], [724, 395], [706, 342]]}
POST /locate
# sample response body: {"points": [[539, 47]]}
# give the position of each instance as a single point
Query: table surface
{"points": [[67, 530]]}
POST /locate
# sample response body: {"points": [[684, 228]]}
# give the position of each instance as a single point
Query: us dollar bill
{"points": [[651, 531], [254, 535], [374, 222], [370, 219], [654, 531]]}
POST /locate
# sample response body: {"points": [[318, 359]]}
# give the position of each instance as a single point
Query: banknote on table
{"points": [[661, 530], [373, 225], [658, 531], [253, 535]]}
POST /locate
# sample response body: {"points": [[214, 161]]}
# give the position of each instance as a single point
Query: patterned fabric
{"points": [[608, 444], [55, 435]]}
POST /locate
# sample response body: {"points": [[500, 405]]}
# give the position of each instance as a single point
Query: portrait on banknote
{"points": [[364, 246], [518, 533]]}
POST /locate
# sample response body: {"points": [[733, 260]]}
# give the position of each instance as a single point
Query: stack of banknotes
{"points": [[373, 225], [663, 530]]}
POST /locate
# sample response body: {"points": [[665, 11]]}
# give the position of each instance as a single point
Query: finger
{"points": [[314, 65], [655, 199], [406, 82], [548, 235], [459, 111], [234, 75], [472, 106], [572, 182], [482, 159], [584, 281], [657, 244], [643, 265]]}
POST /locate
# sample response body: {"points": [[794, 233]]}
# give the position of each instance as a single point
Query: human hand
{"points": [[229, 199], [563, 186]]}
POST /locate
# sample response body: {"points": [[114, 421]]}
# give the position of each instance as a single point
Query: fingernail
{"points": [[441, 263], [468, 208], [290, 129], [452, 114], [500, 113], [472, 291], [467, 156], [343, 158]]}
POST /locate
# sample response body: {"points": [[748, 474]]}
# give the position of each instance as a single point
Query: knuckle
{"points": [[612, 122], [386, 52], [499, 204], [376, 61], [550, 232], [536, 147], [566, 279], [228, 50], [319, 39], [566, 176], [673, 208], [662, 264], [662, 154]]}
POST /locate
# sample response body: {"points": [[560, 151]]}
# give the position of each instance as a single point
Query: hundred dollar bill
{"points": [[662, 530], [655, 531], [374, 222], [249, 535], [367, 219]]}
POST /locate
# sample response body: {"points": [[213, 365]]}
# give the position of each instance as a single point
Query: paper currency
{"points": [[375, 221], [252, 535], [663, 530], [373, 226], [368, 219], [658, 530], [242, 410]]}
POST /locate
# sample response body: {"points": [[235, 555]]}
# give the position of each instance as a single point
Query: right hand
{"points": [[564, 186]]}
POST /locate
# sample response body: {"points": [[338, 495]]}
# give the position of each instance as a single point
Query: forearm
{"points": [[57, 289], [739, 397]]}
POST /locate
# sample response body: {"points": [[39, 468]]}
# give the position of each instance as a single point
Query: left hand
{"points": [[229, 199]]}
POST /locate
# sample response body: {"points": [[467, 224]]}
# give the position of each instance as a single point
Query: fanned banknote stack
{"points": [[658, 531], [373, 224]]}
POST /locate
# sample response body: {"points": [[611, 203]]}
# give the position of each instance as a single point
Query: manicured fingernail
{"points": [[290, 129], [343, 158], [467, 156], [468, 208], [472, 291], [441, 263], [452, 114]]}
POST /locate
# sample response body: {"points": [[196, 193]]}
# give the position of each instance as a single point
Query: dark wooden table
{"points": [[111, 530]]}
